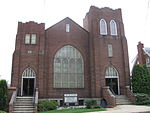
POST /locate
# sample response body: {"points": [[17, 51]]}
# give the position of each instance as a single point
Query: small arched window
{"points": [[103, 27], [28, 73], [111, 72], [113, 28]]}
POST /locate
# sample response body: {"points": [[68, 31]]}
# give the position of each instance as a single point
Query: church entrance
{"points": [[28, 82], [112, 80], [28, 86], [113, 85]]}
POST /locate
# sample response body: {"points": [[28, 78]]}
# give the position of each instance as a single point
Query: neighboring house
{"points": [[143, 56], [70, 63]]}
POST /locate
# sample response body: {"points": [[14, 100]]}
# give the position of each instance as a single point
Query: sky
{"points": [[135, 14]]}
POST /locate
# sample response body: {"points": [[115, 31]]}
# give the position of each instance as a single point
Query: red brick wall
{"points": [[92, 46], [57, 37], [98, 48]]}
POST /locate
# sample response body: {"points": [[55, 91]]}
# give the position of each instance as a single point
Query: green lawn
{"points": [[148, 105], [76, 110]]}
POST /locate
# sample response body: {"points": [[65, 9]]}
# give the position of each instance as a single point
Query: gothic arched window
{"points": [[113, 27], [111, 72], [68, 68], [103, 27], [28, 73]]}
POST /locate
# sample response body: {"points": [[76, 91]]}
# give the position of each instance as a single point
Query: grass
{"points": [[147, 105], [76, 110]]}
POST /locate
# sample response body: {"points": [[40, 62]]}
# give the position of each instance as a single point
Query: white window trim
{"points": [[67, 27], [27, 38], [103, 31], [113, 24], [33, 38], [110, 50]]}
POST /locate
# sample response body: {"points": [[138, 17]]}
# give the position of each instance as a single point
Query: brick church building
{"points": [[70, 63]]}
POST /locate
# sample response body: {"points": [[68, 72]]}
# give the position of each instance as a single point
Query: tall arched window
{"points": [[103, 27], [113, 27], [111, 72], [68, 68]]}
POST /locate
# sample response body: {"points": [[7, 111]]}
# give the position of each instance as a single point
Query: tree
{"points": [[140, 79], [3, 95]]}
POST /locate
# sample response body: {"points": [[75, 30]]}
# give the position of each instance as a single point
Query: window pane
{"points": [[113, 27], [103, 27], [33, 39], [27, 39], [67, 27], [68, 64], [110, 50]]}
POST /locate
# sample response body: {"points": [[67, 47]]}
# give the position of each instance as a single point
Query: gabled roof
{"points": [[147, 50], [70, 20]]}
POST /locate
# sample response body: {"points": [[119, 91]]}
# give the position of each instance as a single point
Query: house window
{"points": [[27, 39], [33, 38], [103, 27], [110, 50], [67, 27], [113, 28], [68, 68], [148, 62]]}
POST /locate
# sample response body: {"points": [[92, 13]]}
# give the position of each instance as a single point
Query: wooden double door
{"points": [[113, 85], [28, 86]]}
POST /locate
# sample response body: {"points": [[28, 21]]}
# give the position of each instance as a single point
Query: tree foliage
{"points": [[140, 79], [3, 95]]}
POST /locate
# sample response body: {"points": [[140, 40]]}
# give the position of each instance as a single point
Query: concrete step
{"points": [[24, 105], [24, 109], [122, 100], [23, 112]]}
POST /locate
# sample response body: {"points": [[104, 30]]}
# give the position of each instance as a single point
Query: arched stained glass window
{"points": [[111, 72], [28, 73], [68, 68], [113, 27], [103, 27]]}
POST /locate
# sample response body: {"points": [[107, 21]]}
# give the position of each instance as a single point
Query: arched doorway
{"points": [[28, 82], [112, 80]]}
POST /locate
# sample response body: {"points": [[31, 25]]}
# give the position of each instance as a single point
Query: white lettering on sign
{"points": [[70, 95]]}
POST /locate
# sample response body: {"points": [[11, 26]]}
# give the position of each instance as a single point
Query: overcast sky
{"points": [[135, 13]]}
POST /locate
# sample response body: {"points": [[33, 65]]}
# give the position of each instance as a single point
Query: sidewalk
{"points": [[126, 109]]}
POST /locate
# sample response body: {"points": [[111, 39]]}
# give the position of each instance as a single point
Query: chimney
{"points": [[140, 47]]}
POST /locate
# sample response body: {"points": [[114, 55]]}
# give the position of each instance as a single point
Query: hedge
{"points": [[3, 95]]}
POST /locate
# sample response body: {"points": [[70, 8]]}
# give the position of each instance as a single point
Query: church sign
{"points": [[70, 98]]}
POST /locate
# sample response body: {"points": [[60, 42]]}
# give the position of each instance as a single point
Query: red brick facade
{"points": [[88, 40], [143, 55]]}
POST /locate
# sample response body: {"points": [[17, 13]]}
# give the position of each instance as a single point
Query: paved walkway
{"points": [[126, 109]]}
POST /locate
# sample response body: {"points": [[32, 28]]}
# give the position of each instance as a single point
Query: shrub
{"points": [[2, 111], [91, 103], [46, 105], [142, 99], [140, 79], [3, 95]]}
